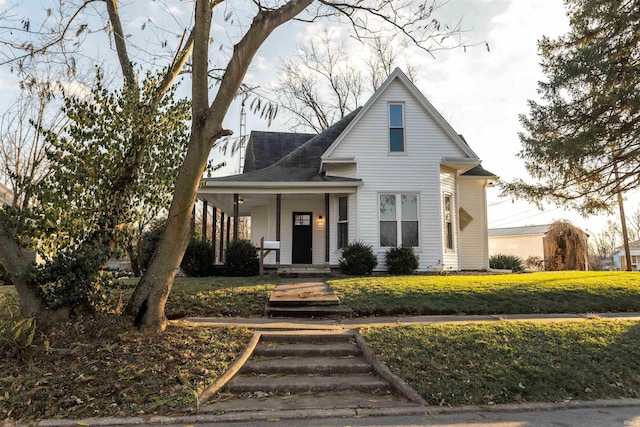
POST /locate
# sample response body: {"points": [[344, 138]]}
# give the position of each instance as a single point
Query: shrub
{"points": [[241, 259], [73, 278], [358, 259], [198, 259], [506, 262], [401, 260]]}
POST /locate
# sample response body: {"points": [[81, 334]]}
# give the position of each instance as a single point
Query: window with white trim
{"points": [[343, 222], [396, 128], [448, 220], [399, 223]]}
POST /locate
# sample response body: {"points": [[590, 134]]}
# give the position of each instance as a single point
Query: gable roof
{"points": [[519, 231], [479, 171], [299, 165], [398, 75], [632, 246], [266, 148]]}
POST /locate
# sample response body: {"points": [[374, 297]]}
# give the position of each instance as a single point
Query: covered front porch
{"points": [[302, 220]]}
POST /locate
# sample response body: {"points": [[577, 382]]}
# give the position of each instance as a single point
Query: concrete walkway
{"points": [[264, 323]]}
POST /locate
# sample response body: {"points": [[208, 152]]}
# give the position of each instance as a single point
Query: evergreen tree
{"points": [[581, 140]]}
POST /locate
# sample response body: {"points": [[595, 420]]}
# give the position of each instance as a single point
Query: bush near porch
{"points": [[542, 292]]}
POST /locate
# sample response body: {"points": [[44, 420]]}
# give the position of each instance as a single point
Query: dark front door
{"points": [[302, 241]]}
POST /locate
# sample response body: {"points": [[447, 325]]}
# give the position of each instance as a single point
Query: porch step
{"points": [[305, 298], [301, 271]]}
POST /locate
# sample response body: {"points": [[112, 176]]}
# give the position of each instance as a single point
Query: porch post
{"points": [[214, 225], [221, 235], [205, 214], [228, 228], [278, 214], [193, 217], [327, 229], [236, 202]]}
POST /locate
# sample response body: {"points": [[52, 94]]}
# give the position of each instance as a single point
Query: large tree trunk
{"points": [[15, 262], [148, 300]]}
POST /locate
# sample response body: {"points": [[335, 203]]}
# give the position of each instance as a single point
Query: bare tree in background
{"points": [[323, 81]]}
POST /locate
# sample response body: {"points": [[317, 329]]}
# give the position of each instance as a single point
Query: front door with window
{"points": [[302, 238]]}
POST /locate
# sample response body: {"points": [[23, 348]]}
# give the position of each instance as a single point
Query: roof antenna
{"points": [[243, 131]]}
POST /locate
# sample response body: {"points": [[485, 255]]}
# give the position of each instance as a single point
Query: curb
{"points": [[338, 413], [231, 371]]}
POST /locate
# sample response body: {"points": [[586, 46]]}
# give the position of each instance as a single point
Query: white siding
{"points": [[417, 171], [473, 239]]}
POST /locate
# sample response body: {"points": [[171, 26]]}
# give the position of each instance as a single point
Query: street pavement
{"points": [[583, 417]]}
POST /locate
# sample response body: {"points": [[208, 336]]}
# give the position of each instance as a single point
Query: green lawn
{"points": [[514, 361], [208, 296], [546, 292]]}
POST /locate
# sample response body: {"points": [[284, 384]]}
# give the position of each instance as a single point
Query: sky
{"points": [[479, 92]]}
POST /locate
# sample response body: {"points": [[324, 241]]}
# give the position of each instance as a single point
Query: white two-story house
{"points": [[392, 173]]}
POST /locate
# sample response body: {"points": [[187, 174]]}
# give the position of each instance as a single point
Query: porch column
{"points": [[205, 214], [193, 217], [221, 235], [278, 214], [236, 207], [327, 229], [228, 229], [214, 225]]}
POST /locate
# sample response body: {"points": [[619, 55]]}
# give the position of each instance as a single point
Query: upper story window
{"points": [[396, 128]]}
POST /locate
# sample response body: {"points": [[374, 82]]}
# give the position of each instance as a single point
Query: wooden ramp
{"points": [[300, 298]]}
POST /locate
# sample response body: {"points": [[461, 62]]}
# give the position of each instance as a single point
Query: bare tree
{"points": [[23, 159], [633, 224], [323, 81], [604, 243]]}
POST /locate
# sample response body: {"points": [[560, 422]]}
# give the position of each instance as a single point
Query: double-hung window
{"points": [[399, 220], [343, 222], [396, 128]]}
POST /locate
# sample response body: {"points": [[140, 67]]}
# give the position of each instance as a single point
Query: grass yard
{"points": [[208, 296], [545, 292], [514, 362]]}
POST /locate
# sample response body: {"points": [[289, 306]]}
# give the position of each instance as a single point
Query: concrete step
{"points": [[313, 311], [301, 383], [277, 402], [308, 337], [308, 365], [338, 349]]}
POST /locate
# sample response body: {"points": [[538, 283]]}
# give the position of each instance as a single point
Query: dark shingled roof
{"points": [[301, 164], [478, 171], [266, 148]]}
